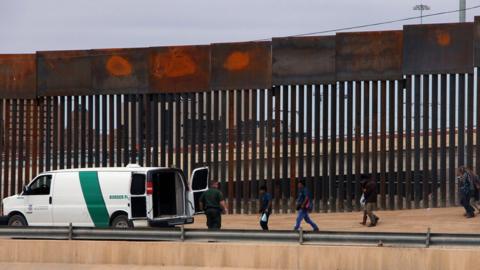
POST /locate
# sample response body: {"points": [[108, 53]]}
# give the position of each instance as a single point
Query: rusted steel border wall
{"points": [[398, 105]]}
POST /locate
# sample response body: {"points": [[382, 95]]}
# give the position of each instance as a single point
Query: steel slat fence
{"points": [[321, 109]]}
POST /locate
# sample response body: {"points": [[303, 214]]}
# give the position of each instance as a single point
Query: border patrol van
{"points": [[108, 197]]}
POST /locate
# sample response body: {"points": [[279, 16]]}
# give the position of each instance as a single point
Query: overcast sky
{"points": [[32, 25]]}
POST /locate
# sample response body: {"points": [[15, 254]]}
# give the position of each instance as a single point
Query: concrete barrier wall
{"points": [[241, 255]]}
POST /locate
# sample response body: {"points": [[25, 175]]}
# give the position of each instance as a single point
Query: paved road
{"points": [[438, 219]]}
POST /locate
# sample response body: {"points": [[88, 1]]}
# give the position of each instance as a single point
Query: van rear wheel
{"points": [[17, 221], [121, 222]]}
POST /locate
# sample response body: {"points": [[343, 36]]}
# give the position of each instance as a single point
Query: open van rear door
{"points": [[138, 196], [199, 184]]}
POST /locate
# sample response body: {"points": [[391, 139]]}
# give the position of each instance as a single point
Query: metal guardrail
{"points": [[302, 237]]}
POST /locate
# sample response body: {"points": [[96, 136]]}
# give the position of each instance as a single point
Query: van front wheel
{"points": [[17, 221], [121, 222]]}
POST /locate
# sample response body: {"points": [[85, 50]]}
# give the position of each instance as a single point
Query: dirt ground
{"points": [[448, 220], [61, 266]]}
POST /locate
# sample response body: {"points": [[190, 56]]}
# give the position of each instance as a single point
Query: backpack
{"points": [[468, 183], [308, 203]]}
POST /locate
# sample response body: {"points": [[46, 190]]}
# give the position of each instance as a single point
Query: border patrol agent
{"points": [[213, 203]]}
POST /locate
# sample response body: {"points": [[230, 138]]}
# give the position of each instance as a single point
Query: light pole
{"points": [[461, 11], [421, 7]]}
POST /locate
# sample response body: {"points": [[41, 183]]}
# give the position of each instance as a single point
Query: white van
{"points": [[108, 197]]}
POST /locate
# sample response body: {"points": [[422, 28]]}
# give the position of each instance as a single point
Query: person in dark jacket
{"points": [[265, 207], [213, 203], [304, 206], [476, 189], [369, 188], [466, 190]]}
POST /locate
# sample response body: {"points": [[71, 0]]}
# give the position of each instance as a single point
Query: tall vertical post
{"points": [[461, 11]]}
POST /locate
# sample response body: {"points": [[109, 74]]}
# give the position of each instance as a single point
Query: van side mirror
{"points": [[25, 189]]}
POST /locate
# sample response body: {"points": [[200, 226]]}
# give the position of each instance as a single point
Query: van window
{"points": [[200, 179], [41, 186], [138, 184]]}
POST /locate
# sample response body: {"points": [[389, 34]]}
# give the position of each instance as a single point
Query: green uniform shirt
{"points": [[211, 198]]}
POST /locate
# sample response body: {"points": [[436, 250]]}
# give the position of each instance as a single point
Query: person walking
{"points": [[465, 189], [369, 199], [475, 181], [213, 203], [265, 207], [304, 206]]}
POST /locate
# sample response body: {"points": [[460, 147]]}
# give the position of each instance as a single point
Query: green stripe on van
{"points": [[94, 199]]}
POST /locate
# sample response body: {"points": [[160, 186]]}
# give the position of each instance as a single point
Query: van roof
{"points": [[109, 169]]}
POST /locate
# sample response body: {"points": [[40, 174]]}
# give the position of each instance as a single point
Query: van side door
{"points": [[68, 201], [138, 196], [38, 200], [198, 184]]}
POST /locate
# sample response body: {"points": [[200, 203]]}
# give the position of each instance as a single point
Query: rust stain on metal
{"points": [[179, 69], [443, 38], [118, 66], [303, 60], [237, 61], [117, 71], [244, 65], [174, 64], [438, 48], [369, 55], [17, 76]]}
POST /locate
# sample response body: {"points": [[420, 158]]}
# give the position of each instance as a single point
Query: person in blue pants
{"points": [[265, 207], [304, 206]]}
